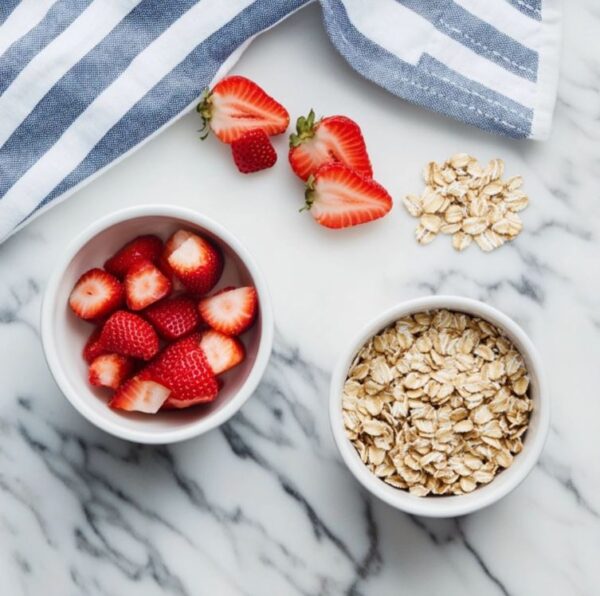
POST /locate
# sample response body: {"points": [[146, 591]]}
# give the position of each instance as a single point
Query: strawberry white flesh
{"points": [[196, 262], [176, 240], [109, 370], [222, 352], [338, 197], [231, 311], [95, 295], [139, 395], [188, 256], [145, 284]]}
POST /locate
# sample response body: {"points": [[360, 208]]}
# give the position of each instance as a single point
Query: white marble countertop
{"points": [[264, 504]]}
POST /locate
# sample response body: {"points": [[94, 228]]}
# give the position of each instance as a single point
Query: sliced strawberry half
{"points": [[236, 105], [184, 369], [93, 348], [196, 262], [174, 318], [231, 311], [109, 370], [174, 403], [222, 351], [145, 284], [140, 395], [331, 139], [128, 334], [338, 197], [95, 295], [142, 248]]}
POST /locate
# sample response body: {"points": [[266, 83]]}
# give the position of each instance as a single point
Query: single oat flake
{"points": [[468, 202], [438, 402]]}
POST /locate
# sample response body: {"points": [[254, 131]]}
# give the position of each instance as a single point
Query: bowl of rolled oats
{"points": [[440, 406]]}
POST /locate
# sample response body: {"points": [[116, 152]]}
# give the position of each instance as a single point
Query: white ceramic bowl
{"points": [[505, 481], [64, 335]]}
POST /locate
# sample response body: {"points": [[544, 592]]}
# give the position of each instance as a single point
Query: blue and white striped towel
{"points": [[85, 82]]}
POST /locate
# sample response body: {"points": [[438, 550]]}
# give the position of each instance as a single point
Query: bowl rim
{"points": [[452, 505], [265, 346]]}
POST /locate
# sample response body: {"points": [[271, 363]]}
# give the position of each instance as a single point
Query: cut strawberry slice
{"points": [[142, 248], [338, 197], [231, 311], [174, 318], [222, 351], [184, 369], [129, 335], [236, 105], [145, 284], [173, 403], [95, 295], [195, 261], [93, 348], [140, 395], [109, 370], [331, 139]]}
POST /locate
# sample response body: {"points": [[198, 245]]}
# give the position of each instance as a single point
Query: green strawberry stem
{"points": [[204, 108], [305, 129], [309, 193]]}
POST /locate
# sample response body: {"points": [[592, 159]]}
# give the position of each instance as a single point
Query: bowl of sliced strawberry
{"points": [[157, 324]]}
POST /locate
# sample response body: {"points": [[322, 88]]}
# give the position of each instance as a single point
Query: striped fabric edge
{"points": [[413, 85], [6, 9], [225, 67], [468, 100], [549, 69], [531, 8]]}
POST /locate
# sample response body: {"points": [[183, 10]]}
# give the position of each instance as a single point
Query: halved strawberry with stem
{"points": [[174, 318], [331, 139], [231, 311], [183, 368], [95, 295], [140, 395], [338, 197], [195, 261], [129, 335], [145, 284], [236, 105], [109, 370], [222, 351], [142, 248]]}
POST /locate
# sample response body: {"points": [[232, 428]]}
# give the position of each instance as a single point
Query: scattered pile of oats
{"points": [[437, 403], [471, 203]]}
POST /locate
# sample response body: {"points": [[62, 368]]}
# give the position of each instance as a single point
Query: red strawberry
{"points": [[231, 311], [174, 403], [145, 284], [109, 370], [129, 335], [196, 262], [174, 318], [253, 151], [142, 248], [222, 352], [334, 138], [184, 369], [140, 395], [93, 348], [338, 197], [95, 295], [236, 105]]}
